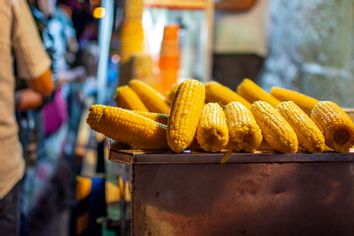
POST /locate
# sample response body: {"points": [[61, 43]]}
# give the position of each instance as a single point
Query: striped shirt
{"points": [[18, 38]]}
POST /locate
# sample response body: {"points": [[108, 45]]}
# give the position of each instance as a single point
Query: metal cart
{"points": [[251, 194]]}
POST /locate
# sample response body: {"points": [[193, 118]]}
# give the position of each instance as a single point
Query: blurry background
{"points": [[99, 44]]}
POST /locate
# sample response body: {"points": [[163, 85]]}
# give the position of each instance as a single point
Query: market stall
{"points": [[221, 163], [262, 193], [196, 157]]}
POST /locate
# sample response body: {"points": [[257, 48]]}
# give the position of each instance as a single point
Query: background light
{"points": [[99, 12]]}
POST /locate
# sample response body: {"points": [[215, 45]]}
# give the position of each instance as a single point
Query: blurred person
{"points": [[89, 32], [47, 185], [64, 14], [86, 93], [80, 15], [19, 39], [240, 45]]}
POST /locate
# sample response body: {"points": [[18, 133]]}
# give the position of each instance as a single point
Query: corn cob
{"points": [[185, 113], [216, 92], [252, 92], [152, 99], [245, 134], [158, 117], [127, 127], [275, 129], [306, 103], [126, 98], [309, 135], [172, 94], [335, 124], [212, 132]]}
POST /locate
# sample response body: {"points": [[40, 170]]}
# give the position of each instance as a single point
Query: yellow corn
{"points": [[212, 132], [186, 110], [159, 117], [126, 98], [152, 99], [275, 129], [215, 92], [172, 94], [335, 124], [245, 134], [252, 92], [306, 103], [127, 127], [309, 135]]}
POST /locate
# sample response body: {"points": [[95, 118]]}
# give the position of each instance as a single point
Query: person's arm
{"points": [[76, 74], [33, 97], [33, 63], [43, 84], [27, 99]]}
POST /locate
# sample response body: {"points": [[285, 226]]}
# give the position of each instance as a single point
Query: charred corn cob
{"points": [[245, 134], [159, 117], [152, 99], [212, 132], [215, 92], [185, 113], [126, 98], [127, 127], [275, 129], [252, 92], [335, 124], [309, 135], [306, 103]]}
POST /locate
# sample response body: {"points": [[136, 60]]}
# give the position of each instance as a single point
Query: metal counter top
{"points": [[167, 157]]}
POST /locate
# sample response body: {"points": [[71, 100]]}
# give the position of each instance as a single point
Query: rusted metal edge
{"points": [[350, 112], [212, 158], [119, 155], [348, 109]]}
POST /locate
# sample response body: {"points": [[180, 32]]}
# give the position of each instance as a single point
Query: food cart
{"points": [[263, 193]]}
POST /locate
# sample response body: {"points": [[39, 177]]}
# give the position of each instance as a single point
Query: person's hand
{"points": [[77, 74], [80, 73], [27, 99]]}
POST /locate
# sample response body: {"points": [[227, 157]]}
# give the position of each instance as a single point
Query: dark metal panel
{"points": [[243, 199], [252, 194]]}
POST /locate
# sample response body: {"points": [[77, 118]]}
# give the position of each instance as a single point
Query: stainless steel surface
{"points": [[251, 194]]}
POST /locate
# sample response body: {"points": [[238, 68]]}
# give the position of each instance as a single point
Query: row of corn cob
{"points": [[249, 92], [333, 122], [239, 126], [139, 96]]}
